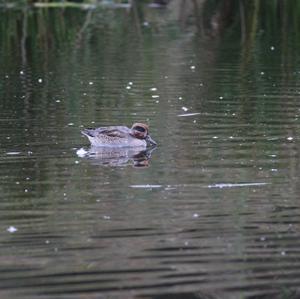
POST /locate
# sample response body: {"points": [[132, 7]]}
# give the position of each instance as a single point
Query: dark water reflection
{"points": [[137, 157], [216, 212]]}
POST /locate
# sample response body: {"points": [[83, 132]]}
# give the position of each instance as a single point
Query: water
{"points": [[212, 212]]}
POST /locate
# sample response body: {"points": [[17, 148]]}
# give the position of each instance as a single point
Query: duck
{"points": [[120, 136]]}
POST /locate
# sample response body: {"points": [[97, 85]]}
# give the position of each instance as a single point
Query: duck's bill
{"points": [[150, 141]]}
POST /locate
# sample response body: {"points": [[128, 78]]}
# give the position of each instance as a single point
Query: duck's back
{"points": [[118, 130], [113, 136]]}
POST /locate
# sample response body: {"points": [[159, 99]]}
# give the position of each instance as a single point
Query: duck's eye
{"points": [[140, 129]]}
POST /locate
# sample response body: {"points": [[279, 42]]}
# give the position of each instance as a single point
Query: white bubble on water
{"points": [[12, 229], [81, 152]]}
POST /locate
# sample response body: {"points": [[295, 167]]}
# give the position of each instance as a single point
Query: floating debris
{"points": [[13, 153], [188, 114], [233, 185], [184, 108], [148, 186]]}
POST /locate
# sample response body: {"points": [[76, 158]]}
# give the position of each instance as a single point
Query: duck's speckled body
{"points": [[120, 136]]}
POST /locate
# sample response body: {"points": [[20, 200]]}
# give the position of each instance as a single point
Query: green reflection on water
{"points": [[234, 65]]}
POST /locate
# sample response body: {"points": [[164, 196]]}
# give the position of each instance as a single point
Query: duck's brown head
{"points": [[141, 131]]}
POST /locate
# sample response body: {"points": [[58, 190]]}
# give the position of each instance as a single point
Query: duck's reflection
{"points": [[113, 156]]}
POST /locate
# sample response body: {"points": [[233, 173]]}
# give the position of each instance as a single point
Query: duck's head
{"points": [[141, 131]]}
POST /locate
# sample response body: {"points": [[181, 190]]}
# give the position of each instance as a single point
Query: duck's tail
{"points": [[88, 132]]}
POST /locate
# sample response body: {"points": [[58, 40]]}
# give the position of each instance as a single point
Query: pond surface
{"points": [[212, 212]]}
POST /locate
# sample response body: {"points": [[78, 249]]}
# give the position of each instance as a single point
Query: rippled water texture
{"points": [[212, 212]]}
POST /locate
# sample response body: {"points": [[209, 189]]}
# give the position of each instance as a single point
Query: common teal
{"points": [[120, 136]]}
